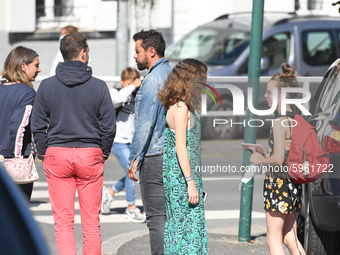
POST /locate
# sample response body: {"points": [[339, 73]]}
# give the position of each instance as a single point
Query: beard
{"points": [[142, 65]]}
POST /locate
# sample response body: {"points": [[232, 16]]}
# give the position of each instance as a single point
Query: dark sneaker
{"points": [[106, 201], [134, 215]]}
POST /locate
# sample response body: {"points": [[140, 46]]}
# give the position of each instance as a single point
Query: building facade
{"points": [[38, 22]]}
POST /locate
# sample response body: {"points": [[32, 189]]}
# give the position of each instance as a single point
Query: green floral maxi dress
{"points": [[185, 226]]}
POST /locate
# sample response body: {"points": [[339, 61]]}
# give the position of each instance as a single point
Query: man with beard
{"points": [[146, 153]]}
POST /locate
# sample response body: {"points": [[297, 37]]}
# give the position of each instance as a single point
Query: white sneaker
{"points": [[134, 215], [106, 201]]}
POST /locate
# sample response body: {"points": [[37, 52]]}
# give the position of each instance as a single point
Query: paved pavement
{"points": [[137, 242], [217, 244]]}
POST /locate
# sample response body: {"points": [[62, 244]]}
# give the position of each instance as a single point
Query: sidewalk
{"points": [[217, 244]]}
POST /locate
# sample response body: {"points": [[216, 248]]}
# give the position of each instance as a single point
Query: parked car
{"points": [[319, 221], [308, 43], [19, 233]]}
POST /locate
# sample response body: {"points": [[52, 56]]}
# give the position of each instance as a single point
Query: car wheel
{"points": [[222, 131], [316, 241]]}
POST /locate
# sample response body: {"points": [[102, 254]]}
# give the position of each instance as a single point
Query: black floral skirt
{"points": [[281, 194]]}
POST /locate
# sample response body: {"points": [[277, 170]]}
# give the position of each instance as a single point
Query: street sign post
{"points": [[250, 132]]}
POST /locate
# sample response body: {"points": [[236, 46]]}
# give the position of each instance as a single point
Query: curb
{"points": [[111, 246]]}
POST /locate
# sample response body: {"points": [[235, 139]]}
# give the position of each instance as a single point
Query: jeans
{"points": [[122, 152], [152, 191], [68, 169]]}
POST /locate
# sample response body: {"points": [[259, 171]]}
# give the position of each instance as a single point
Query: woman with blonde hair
{"points": [[282, 197], [17, 95], [185, 226]]}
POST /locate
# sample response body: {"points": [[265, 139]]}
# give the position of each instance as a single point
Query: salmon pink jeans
{"points": [[68, 169]]}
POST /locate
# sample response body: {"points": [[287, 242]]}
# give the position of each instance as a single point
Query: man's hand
{"points": [[137, 82], [132, 172]]}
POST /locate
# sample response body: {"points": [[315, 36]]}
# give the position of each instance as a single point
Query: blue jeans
{"points": [[122, 152]]}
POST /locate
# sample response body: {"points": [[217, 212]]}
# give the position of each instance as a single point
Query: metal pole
{"points": [[122, 37], [250, 132]]}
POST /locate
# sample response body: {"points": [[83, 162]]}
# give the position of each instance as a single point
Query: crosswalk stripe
{"points": [[40, 184], [228, 178], [111, 218], [40, 207], [230, 214], [118, 218], [44, 194]]}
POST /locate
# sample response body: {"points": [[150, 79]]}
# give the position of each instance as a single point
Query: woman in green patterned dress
{"points": [[185, 226], [282, 197]]}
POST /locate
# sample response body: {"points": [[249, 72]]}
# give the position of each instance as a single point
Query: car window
{"points": [[198, 43], [275, 48], [338, 35], [335, 95], [318, 47], [329, 92], [214, 47]]}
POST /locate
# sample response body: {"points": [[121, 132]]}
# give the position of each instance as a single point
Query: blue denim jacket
{"points": [[149, 114]]}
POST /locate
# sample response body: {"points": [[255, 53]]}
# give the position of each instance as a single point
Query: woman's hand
{"points": [[256, 158], [193, 193]]}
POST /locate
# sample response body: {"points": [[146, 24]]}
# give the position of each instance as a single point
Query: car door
{"points": [[325, 117]]}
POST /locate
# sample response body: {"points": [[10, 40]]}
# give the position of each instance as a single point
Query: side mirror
{"points": [[264, 64]]}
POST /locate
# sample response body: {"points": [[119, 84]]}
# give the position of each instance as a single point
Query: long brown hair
{"points": [[12, 70], [184, 83]]}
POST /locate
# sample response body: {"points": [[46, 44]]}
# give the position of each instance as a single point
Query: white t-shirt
{"points": [[125, 125]]}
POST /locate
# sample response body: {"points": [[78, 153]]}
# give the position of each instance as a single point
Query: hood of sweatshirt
{"points": [[73, 73]]}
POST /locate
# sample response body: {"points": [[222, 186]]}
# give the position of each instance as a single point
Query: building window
{"points": [[40, 8], [314, 5], [63, 8]]}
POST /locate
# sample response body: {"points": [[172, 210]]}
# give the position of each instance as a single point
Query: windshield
{"points": [[213, 47]]}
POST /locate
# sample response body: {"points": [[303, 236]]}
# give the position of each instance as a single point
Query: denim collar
{"points": [[157, 63]]}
